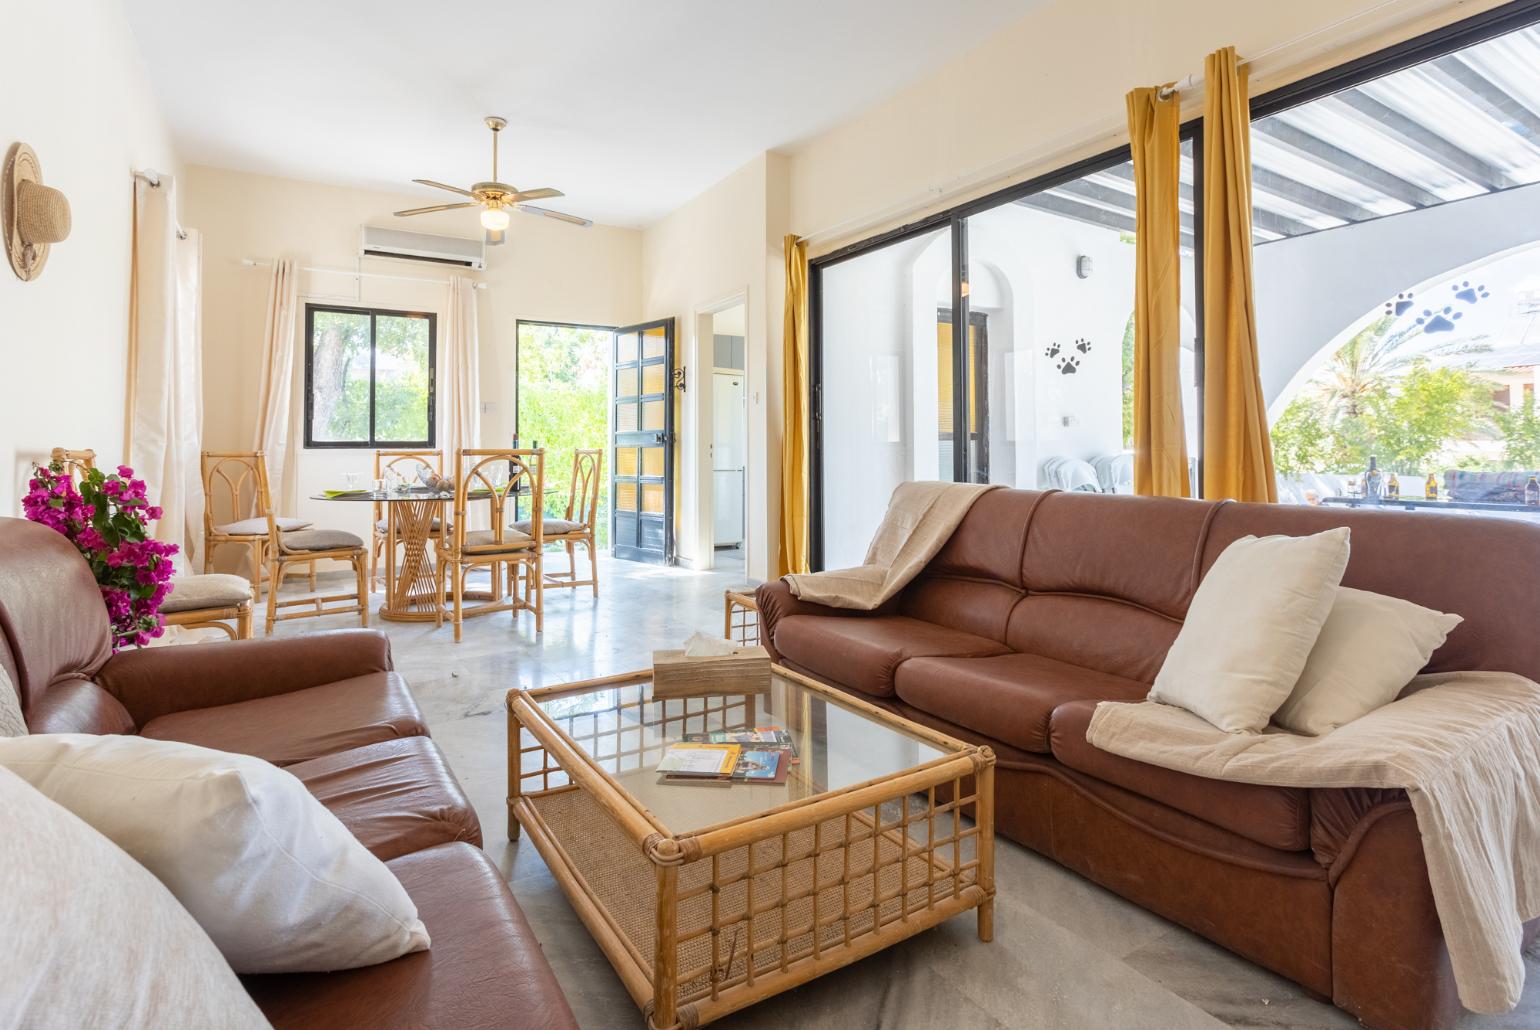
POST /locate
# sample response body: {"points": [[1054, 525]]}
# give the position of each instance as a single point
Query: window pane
{"points": [[1410, 374], [339, 377], [882, 391], [401, 371], [1051, 335]]}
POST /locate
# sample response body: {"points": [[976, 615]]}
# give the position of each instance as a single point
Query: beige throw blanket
{"points": [[920, 520], [1464, 746]]}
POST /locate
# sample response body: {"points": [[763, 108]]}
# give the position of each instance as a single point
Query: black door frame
{"points": [[1417, 50], [667, 438]]}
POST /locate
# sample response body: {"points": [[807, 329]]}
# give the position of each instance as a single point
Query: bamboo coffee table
{"points": [[710, 898]]}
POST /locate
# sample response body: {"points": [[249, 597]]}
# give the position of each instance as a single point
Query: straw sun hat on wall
{"points": [[32, 215]]}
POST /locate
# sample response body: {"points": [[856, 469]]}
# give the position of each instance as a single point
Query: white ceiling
{"points": [[630, 106]]}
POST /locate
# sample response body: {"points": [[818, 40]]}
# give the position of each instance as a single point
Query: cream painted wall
{"points": [[77, 94], [548, 271], [713, 252]]}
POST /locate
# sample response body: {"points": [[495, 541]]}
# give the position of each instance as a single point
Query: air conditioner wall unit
{"points": [[421, 246]]}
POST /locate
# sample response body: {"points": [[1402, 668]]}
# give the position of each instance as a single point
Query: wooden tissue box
{"points": [[745, 671]]}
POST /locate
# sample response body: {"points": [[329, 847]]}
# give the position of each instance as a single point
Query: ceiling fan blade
{"points": [[543, 193], [435, 207], [444, 186], [530, 209]]}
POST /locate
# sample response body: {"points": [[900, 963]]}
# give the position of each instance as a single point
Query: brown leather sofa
{"points": [[328, 708], [1043, 604]]}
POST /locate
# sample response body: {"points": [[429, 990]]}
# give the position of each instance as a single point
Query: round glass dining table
{"points": [[412, 519]]}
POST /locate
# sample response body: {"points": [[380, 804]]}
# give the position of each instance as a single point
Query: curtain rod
{"points": [[255, 263], [1076, 142]]}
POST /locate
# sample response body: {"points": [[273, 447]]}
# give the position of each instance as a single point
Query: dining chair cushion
{"points": [[383, 526], [512, 538], [212, 590], [319, 540], [258, 527], [552, 527]]}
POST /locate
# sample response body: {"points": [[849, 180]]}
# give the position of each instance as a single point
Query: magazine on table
{"points": [[758, 738]]}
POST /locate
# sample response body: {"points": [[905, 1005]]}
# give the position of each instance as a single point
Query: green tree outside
{"points": [[564, 405]]}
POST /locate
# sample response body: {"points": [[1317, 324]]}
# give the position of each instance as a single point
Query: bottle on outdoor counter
{"points": [[1373, 481], [1532, 492], [1430, 489], [1393, 488]]}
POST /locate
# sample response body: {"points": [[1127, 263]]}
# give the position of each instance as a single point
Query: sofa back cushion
{"points": [[1477, 568], [54, 632], [975, 581], [1108, 580]]}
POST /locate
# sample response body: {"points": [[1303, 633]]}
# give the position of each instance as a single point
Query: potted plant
{"points": [[108, 520]]}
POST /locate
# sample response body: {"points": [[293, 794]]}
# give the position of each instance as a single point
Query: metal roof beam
{"points": [[1083, 212], [1303, 195], [1106, 196], [1318, 151], [1382, 118], [1487, 96]]}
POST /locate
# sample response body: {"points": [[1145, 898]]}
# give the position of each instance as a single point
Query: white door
{"points": [[729, 446]]}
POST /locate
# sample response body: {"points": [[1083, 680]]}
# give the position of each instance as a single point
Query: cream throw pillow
{"points": [[93, 940], [272, 876], [1368, 651], [1250, 628], [11, 722]]}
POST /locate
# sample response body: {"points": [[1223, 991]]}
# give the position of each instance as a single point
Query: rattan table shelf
{"points": [[707, 899]]}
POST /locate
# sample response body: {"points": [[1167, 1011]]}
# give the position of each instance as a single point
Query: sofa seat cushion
{"points": [[864, 652], [1278, 817], [484, 970], [302, 724], [397, 796], [1009, 697]]}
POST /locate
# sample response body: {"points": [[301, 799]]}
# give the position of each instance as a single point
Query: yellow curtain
{"points": [[793, 556], [1237, 452], [1160, 440]]}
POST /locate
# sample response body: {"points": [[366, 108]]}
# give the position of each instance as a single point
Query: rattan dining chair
{"points": [[407, 464], [207, 601], [494, 475], [230, 491], [306, 547], [577, 527]]}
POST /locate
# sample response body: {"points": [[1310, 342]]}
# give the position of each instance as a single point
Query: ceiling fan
{"points": [[496, 198]]}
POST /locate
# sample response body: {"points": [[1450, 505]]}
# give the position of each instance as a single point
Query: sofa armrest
{"points": [[157, 681], [776, 602]]}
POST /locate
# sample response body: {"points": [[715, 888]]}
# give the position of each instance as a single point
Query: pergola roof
{"points": [[1458, 126]]}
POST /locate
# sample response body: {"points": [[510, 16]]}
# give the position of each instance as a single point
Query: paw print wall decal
{"points": [[1052, 351], [1083, 346], [1440, 321], [1069, 366], [1468, 293], [1400, 306]]}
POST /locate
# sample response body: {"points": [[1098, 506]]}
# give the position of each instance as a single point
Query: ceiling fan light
{"points": [[494, 219]]}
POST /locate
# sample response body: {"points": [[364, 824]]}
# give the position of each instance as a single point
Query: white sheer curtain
{"points": [[462, 368], [165, 375], [274, 435]]}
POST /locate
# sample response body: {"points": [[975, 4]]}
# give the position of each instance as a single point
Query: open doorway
{"points": [[561, 403], [729, 438]]}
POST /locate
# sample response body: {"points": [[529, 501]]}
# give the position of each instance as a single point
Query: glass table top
{"points": [[625, 728]]}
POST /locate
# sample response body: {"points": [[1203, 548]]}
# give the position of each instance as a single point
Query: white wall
{"points": [[720, 249], [548, 271], [1312, 291], [76, 92]]}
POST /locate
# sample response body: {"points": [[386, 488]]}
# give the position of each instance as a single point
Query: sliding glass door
{"points": [[886, 382]]}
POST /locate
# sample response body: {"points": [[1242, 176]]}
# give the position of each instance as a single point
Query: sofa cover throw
{"points": [[920, 519], [1465, 746]]}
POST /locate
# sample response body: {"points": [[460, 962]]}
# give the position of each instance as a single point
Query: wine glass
{"points": [[350, 480]]}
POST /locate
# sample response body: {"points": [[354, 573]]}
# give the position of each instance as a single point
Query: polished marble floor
{"points": [[1066, 954]]}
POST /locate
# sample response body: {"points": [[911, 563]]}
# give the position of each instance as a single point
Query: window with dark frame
{"points": [[369, 377]]}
